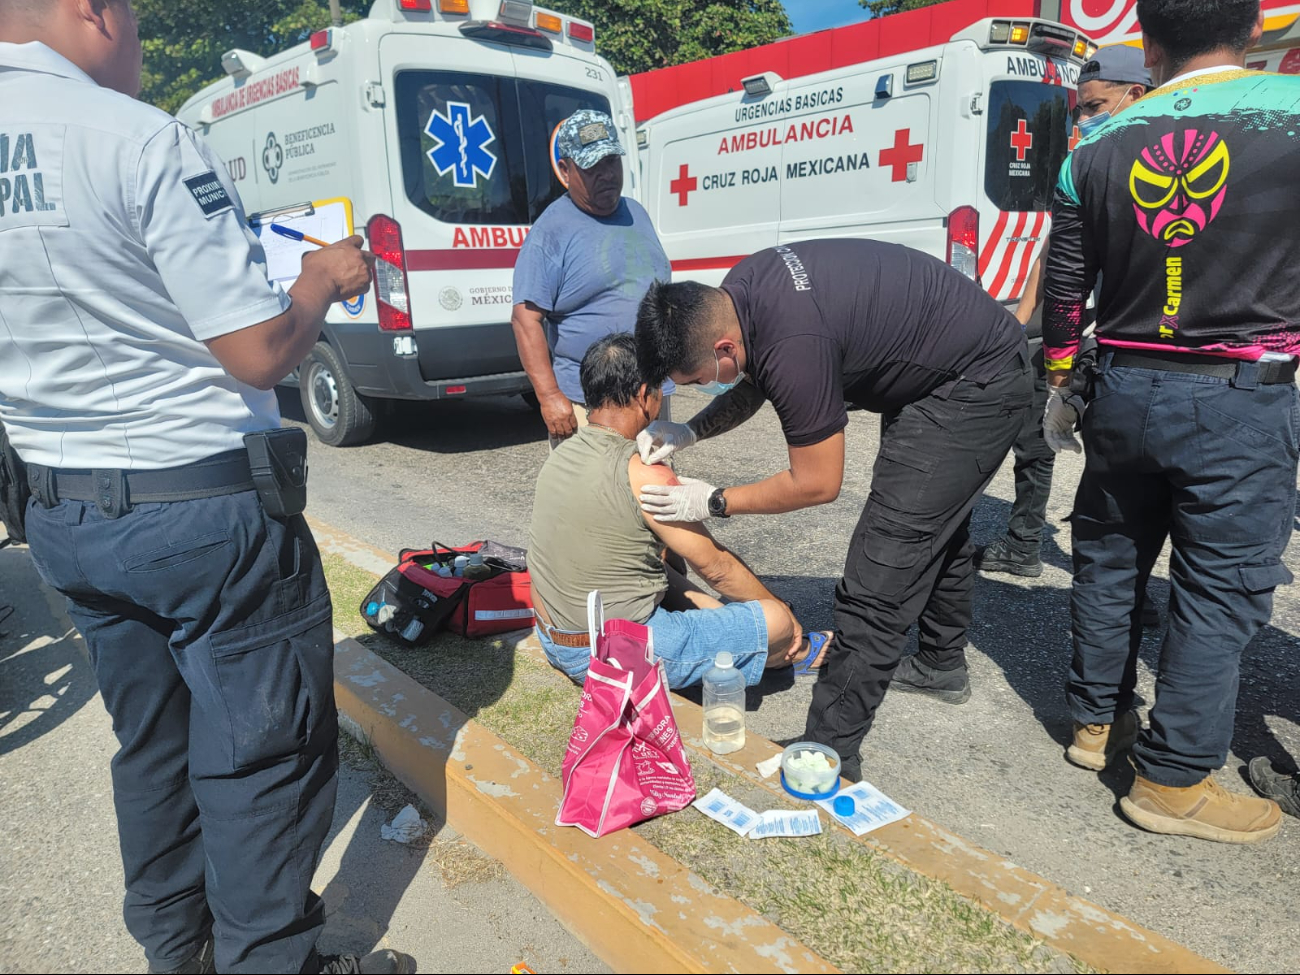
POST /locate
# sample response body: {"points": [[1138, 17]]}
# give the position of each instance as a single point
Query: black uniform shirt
{"points": [[876, 324]]}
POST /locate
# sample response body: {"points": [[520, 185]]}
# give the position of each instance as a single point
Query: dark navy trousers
{"points": [[1212, 463], [209, 630]]}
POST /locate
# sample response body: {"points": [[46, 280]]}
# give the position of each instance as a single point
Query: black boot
{"points": [[1001, 557], [200, 963], [1281, 788], [949, 686], [385, 962]]}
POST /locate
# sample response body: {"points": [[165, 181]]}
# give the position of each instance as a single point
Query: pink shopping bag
{"points": [[625, 762]]}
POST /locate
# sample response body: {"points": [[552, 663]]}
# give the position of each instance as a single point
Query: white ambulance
{"points": [[435, 119], [950, 145]]}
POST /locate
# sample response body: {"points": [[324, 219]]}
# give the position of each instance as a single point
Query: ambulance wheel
{"points": [[338, 414]]}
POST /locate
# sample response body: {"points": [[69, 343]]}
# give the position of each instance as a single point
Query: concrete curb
{"points": [[1031, 903], [637, 908]]}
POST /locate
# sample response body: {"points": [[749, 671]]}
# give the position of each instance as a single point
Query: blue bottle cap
{"points": [[844, 806]]}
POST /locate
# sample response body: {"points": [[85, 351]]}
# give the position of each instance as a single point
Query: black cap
{"points": [[1118, 63]]}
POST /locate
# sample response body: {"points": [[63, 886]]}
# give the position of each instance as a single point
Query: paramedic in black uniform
{"points": [[808, 327]]}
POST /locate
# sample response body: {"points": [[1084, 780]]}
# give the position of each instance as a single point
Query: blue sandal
{"points": [[807, 667]]}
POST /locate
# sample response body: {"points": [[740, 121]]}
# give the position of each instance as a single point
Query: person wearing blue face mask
{"points": [[808, 327], [1114, 79]]}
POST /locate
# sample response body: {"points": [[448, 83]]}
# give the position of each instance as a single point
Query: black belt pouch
{"points": [[277, 460]]}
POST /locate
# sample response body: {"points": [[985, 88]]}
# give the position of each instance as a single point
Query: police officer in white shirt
{"points": [[140, 342]]}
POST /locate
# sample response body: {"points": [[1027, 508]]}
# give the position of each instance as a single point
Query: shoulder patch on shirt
{"points": [[208, 193]]}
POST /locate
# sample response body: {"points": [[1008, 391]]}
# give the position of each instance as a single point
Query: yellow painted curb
{"points": [[637, 908], [1029, 902]]}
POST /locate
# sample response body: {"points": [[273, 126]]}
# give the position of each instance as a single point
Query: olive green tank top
{"points": [[588, 533]]}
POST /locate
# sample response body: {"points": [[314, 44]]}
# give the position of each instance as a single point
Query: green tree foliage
{"points": [[184, 39], [638, 35], [879, 8]]}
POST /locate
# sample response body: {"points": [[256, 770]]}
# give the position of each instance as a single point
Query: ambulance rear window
{"points": [[476, 148], [1029, 126]]}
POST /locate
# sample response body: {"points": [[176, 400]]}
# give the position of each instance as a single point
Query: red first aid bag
{"points": [[625, 762], [413, 602]]}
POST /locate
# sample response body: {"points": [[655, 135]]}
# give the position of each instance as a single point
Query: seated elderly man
{"points": [[589, 533]]}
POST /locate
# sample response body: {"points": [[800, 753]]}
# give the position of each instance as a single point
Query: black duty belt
{"points": [[1270, 373], [226, 473]]}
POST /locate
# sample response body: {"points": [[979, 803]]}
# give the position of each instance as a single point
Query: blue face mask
{"points": [[716, 388], [1087, 126]]}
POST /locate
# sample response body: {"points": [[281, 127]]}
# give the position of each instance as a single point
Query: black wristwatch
{"points": [[718, 504]]}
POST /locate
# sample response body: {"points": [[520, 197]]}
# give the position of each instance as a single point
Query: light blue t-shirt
{"points": [[588, 274]]}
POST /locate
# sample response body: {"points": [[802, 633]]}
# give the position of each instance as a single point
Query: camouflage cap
{"points": [[587, 137]]}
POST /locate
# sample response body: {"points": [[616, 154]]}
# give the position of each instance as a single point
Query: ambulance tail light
{"points": [[964, 241], [579, 31], [416, 6], [454, 6], [548, 22], [322, 41], [391, 291]]}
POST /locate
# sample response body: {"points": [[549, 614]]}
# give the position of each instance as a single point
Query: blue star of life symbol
{"points": [[462, 144]]}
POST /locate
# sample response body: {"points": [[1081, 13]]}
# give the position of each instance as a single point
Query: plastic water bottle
{"points": [[724, 706], [475, 569], [460, 562]]}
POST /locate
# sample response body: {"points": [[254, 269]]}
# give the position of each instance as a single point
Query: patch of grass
{"points": [[860, 910]]}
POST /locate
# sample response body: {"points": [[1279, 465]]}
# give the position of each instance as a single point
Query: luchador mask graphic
{"points": [[1178, 184]]}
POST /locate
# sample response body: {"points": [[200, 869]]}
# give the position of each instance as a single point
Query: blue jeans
{"points": [[686, 641], [209, 630], [1212, 463]]}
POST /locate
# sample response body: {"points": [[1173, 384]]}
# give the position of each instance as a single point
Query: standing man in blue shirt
{"points": [[582, 271]]}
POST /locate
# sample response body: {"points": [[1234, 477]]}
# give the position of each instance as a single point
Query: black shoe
{"points": [[383, 962], [949, 686], [200, 963], [1001, 557], [1282, 789], [1150, 612]]}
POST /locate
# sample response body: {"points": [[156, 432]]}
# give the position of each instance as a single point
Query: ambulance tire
{"points": [[338, 414]]}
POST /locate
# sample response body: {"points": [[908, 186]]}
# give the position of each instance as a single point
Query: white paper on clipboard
{"points": [[329, 220]]}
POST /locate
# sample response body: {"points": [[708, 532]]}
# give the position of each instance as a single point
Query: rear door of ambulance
{"points": [[1028, 103], [470, 159], [712, 206], [861, 152]]}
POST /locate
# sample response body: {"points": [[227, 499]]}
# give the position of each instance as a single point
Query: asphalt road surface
{"points": [[993, 769]]}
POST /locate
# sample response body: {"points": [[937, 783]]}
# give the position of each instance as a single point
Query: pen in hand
{"points": [[292, 234]]}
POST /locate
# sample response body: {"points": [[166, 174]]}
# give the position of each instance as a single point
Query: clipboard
{"points": [[324, 219]]}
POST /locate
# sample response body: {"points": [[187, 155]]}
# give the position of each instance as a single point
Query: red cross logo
{"points": [[902, 152], [1075, 137], [683, 185], [1022, 140]]}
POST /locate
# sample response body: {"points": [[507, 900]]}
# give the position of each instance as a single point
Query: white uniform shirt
{"points": [[123, 246]]}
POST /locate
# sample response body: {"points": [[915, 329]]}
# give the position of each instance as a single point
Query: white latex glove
{"points": [[663, 438], [1063, 411], [688, 501]]}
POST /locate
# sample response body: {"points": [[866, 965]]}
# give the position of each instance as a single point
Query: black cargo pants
{"points": [[911, 557]]}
